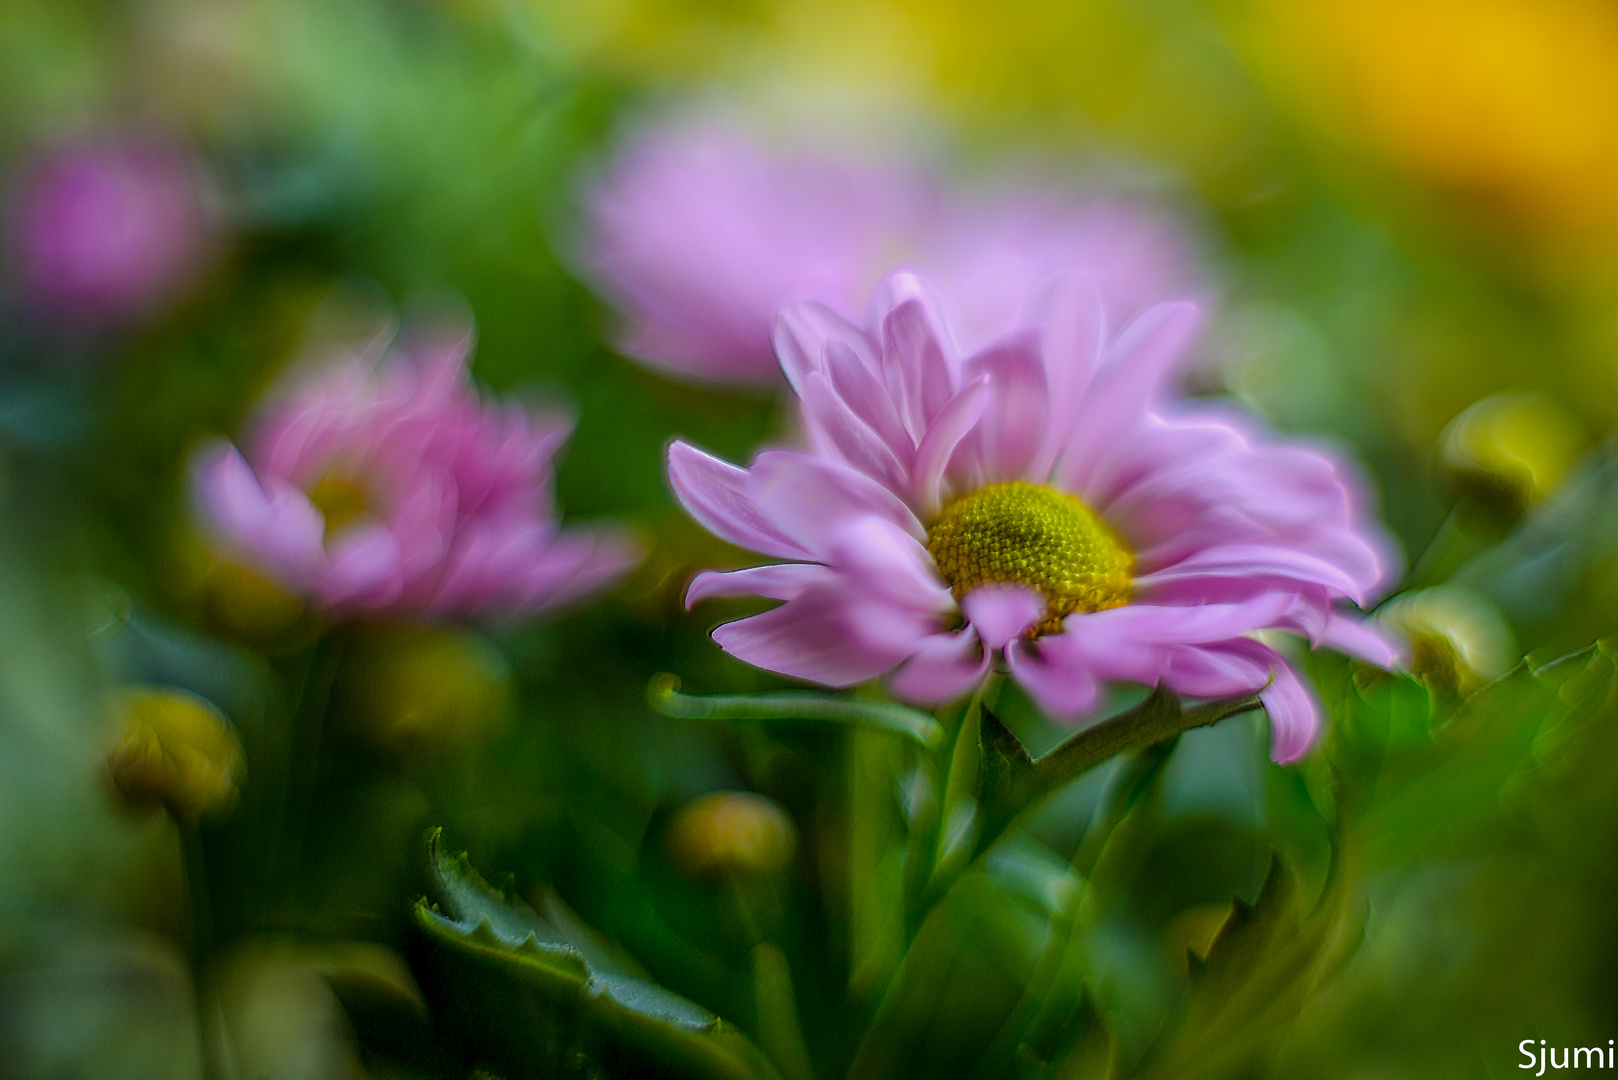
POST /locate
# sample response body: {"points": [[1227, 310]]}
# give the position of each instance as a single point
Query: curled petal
{"points": [[1002, 613], [838, 433], [781, 581], [1061, 685], [273, 523], [1367, 641], [717, 495], [821, 637], [915, 360], [364, 569], [942, 668], [944, 434], [803, 334]]}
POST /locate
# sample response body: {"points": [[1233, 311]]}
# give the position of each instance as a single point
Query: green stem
{"points": [[1130, 775], [210, 1013], [1127, 780], [306, 734]]}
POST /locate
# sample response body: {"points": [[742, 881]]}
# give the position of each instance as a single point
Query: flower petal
{"points": [[819, 636], [943, 667], [363, 574], [878, 559], [1002, 613], [1063, 688], [915, 361], [1122, 391], [717, 495], [938, 446], [1364, 640], [273, 523], [836, 432], [806, 499], [780, 581], [1013, 424], [803, 333]]}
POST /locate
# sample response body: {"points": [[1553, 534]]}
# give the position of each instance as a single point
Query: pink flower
{"points": [[1046, 501], [699, 237], [391, 488], [107, 230]]}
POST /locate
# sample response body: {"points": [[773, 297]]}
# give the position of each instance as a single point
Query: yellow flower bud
{"points": [[237, 601], [418, 691], [732, 832], [1458, 640], [175, 751], [1511, 450]]}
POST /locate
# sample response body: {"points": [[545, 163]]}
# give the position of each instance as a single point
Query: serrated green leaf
{"points": [[1262, 967], [540, 1007], [468, 898], [663, 695]]}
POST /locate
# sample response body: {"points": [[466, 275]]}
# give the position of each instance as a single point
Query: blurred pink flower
{"points": [[699, 236], [106, 230], [391, 488], [1046, 500]]}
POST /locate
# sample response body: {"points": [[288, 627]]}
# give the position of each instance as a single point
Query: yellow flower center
{"points": [[1035, 536], [340, 499]]}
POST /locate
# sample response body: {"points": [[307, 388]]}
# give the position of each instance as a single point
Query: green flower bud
{"points": [[1458, 640], [176, 751], [1511, 450], [732, 832], [420, 691]]}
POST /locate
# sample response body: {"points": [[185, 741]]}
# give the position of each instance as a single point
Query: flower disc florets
{"points": [[1028, 534]]}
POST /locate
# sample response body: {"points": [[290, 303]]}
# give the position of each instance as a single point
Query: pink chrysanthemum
{"points": [[1045, 500], [109, 229], [391, 488], [699, 236]]}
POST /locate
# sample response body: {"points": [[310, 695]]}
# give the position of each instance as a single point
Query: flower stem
{"points": [[305, 734], [210, 1014]]}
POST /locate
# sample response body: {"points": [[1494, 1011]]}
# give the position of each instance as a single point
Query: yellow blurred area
{"points": [[175, 751], [1157, 82], [1508, 105]]}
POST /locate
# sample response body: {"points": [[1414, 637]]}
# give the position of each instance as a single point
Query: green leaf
{"points": [[543, 1000], [1268, 959], [1011, 781], [776, 1008], [663, 694]]}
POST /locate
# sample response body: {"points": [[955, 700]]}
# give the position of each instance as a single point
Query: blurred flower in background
{"points": [[700, 233], [107, 229], [1048, 492], [382, 483], [1458, 640], [1511, 451]]}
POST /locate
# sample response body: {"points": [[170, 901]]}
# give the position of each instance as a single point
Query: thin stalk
{"points": [[305, 738], [216, 1061]]}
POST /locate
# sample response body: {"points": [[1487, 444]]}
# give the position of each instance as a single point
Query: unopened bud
{"points": [[417, 691], [1511, 450], [175, 751], [237, 601], [1458, 640], [732, 832]]}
